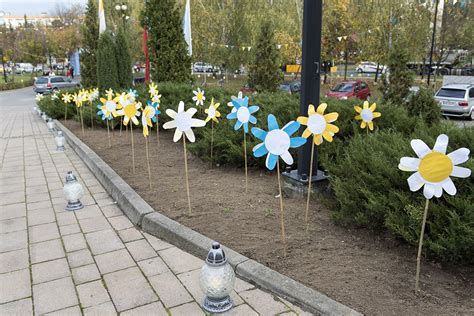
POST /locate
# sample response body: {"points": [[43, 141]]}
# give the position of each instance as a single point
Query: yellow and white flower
{"points": [[55, 96], [110, 93], [67, 98], [39, 97], [152, 89], [148, 115], [93, 94], [212, 113], [367, 115], [433, 168], [130, 112], [183, 121], [109, 107], [199, 96], [319, 124]]}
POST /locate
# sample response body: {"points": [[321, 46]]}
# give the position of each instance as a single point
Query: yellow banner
{"points": [[333, 69], [293, 68]]}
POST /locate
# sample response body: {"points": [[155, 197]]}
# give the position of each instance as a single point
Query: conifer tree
{"points": [[396, 86], [265, 73], [168, 50], [90, 35], [124, 61], [107, 74]]}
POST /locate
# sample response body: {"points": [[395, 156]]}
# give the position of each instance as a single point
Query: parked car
{"points": [[21, 68], [202, 67], [291, 87], [248, 90], [46, 85], [456, 100], [7, 69], [350, 89], [370, 67]]}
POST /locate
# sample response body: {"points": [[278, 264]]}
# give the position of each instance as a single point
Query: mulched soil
{"points": [[372, 274]]}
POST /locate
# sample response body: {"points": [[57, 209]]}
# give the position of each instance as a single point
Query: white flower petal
{"points": [[177, 135], [461, 172], [420, 148], [441, 144], [197, 123], [190, 135], [181, 106], [191, 111], [286, 156], [171, 113], [169, 124], [448, 186], [459, 156], [409, 164], [415, 181], [438, 190], [429, 190]]}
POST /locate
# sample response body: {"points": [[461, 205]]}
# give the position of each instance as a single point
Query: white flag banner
{"points": [[187, 27], [101, 17]]}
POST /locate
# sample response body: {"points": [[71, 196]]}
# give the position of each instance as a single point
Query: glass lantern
{"points": [[51, 125], [73, 192], [217, 280], [59, 139]]}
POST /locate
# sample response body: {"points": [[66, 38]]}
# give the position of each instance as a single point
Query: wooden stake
{"points": [[121, 123], [212, 139], [92, 117], [108, 132], [186, 172], [82, 121], [420, 246], [133, 147], [309, 183], [148, 161], [282, 214], [245, 158], [65, 114], [157, 131]]}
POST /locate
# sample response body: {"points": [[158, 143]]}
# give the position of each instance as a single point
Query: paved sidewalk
{"points": [[92, 261]]}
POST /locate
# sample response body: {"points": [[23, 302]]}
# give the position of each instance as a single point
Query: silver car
{"points": [[46, 84], [456, 100]]}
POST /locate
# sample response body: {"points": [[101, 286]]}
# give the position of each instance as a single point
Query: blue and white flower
{"points": [[277, 142], [243, 113]]}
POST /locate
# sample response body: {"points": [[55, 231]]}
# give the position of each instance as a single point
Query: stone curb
{"points": [[154, 223]]}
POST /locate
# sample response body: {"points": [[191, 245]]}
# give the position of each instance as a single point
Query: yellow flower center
{"points": [[130, 110], [199, 96], [435, 167]]}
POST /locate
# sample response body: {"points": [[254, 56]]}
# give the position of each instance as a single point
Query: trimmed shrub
{"points": [[425, 106], [124, 60], [10, 85], [107, 73]]}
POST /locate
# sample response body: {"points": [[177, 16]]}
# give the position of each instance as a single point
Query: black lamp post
{"points": [[433, 41]]}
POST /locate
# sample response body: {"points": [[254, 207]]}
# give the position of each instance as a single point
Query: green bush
{"points": [[10, 85], [425, 106], [107, 73]]}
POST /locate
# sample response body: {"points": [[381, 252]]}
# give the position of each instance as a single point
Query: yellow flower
{"points": [[199, 96], [109, 106], [67, 98], [153, 89], [109, 92], [318, 124], [212, 113], [130, 112], [366, 115]]}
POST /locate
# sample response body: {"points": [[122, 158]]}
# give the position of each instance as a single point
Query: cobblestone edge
{"points": [[143, 215]]}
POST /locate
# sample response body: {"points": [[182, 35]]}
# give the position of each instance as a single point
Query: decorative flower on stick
{"points": [[433, 169], [319, 126], [54, 96], [212, 115], [367, 115], [130, 113], [148, 116], [199, 96], [67, 98], [107, 110], [276, 143], [92, 95], [39, 97], [109, 92], [79, 99], [152, 89], [183, 121], [243, 114], [156, 100]]}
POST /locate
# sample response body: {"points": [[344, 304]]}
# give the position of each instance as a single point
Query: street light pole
{"points": [[433, 41], [310, 77]]}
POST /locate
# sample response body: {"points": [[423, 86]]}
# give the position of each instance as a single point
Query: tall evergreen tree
{"points": [[107, 74], [265, 73], [396, 85], [124, 61], [168, 50], [90, 35]]}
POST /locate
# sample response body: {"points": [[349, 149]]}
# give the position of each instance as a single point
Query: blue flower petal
{"points": [[272, 122], [260, 150], [99, 106], [271, 161], [238, 124], [253, 109], [297, 142], [237, 103], [259, 133], [157, 112], [252, 119], [245, 102], [246, 128], [291, 127], [153, 119], [232, 116]]}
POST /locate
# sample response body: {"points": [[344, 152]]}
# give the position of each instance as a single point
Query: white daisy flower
{"points": [[54, 96], [183, 121], [199, 96], [39, 96], [434, 168]]}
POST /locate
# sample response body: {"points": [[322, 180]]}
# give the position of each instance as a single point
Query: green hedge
{"points": [[369, 190], [10, 85]]}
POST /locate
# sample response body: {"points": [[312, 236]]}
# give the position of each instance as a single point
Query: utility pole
{"points": [[433, 41], [3, 65], [346, 57]]}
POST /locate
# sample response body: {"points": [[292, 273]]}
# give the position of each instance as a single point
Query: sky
{"points": [[32, 7]]}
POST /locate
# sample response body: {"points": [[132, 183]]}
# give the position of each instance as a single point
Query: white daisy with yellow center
{"points": [[433, 168], [130, 113], [183, 121], [199, 96]]}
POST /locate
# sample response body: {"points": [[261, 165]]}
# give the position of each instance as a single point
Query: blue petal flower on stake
{"points": [[277, 142], [243, 113], [101, 113], [154, 105]]}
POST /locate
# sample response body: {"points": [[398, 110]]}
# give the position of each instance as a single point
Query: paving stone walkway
{"points": [[92, 261]]}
